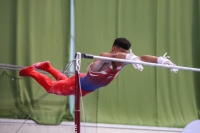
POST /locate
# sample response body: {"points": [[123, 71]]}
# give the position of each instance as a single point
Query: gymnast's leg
{"points": [[47, 67], [42, 79], [61, 87]]}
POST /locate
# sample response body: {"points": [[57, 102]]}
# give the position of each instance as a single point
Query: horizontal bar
{"points": [[89, 56]]}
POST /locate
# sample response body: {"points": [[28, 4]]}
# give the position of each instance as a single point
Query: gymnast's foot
{"points": [[42, 65], [26, 71]]}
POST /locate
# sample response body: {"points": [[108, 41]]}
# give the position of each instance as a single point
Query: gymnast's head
{"points": [[121, 45]]}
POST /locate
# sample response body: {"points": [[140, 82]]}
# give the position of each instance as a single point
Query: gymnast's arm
{"points": [[154, 59], [120, 55], [159, 60], [148, 58], [97, 64]]}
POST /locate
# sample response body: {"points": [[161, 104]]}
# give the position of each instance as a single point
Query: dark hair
{"points": [[122, 42]]}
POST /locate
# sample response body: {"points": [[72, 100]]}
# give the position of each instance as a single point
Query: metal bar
{"points": [[89, 56]]}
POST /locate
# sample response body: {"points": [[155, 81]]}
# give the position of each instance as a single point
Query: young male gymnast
{"points": [[100, 72]]}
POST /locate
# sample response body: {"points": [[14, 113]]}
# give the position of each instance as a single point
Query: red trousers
{"points": [[62, 86]]}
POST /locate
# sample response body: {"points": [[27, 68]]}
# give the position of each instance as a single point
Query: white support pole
{"points": [[72, 51]]}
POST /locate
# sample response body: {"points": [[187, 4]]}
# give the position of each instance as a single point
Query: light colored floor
{"points": [[111, 128], [12, 126]]}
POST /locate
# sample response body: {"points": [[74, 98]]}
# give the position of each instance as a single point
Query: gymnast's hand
{"points": [[163, 60], [133, 57]]}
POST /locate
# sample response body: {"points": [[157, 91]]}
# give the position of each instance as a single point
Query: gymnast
{"points": [[100, 72]]}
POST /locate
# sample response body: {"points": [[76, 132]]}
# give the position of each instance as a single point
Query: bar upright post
{"points": [[77, 93]]}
